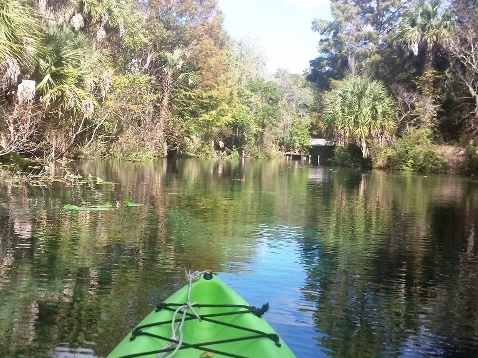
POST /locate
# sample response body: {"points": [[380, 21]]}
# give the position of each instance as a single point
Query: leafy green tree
{"points": [[297, 135], [360, 111], [415, 152], [171, 75], [297, 98], [264, 104], [184, 53], [70, 83], [422, 29], [255, 124], [224, 108], [100, 19], [20, 35], [199, 112], [125, 118], [353, 42]]}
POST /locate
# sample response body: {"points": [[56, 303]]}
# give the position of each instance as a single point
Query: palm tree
{"points": [[67, 85], [20, 34], [63, 70], [422, 29], [360, 111]]}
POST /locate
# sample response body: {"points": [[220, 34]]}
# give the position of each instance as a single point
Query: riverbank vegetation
{"points": [[138, 80], [423, 53], [394, 82]]}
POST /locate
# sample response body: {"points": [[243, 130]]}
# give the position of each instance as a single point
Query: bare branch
{"points": [[19, 129]]}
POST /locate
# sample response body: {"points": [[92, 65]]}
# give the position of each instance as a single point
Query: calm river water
{"points": [[353, 264]]}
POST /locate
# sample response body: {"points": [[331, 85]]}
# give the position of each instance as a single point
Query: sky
{"points": [[281, 27]]}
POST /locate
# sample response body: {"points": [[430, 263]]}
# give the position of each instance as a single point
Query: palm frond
{"points": [[20, 32]]}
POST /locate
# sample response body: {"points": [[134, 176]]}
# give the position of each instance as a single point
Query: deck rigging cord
{"points": [[177, 327], [175, 342]]}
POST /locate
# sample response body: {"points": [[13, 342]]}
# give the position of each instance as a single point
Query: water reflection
{"points": [[352, 263], [398, 267]]}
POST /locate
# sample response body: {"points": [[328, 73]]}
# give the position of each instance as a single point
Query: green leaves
{"points": [[423, 26], [353, 42], [20, 33], [360, 111], [63, 70], [415, 152]]}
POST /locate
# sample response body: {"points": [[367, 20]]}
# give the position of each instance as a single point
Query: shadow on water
{"points": [[352, 263]]}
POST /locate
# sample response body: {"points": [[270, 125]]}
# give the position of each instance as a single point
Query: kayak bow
{"points": [[205, 318]]}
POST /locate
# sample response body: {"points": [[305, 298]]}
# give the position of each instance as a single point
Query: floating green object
{"points": [[210, 319], [70, 207], [128, 202], [107, 206]]}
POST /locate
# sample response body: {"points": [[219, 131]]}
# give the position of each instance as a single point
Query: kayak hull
{"points": [[218, 323]]}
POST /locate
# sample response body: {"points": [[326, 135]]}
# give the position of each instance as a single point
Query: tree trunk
{"points": [[167, 87]]}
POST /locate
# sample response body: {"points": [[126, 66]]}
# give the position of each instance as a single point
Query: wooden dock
{"points": [[296, 156]]}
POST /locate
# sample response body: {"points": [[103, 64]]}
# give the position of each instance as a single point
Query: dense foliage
{"points": [[139, 79], [143, 79], [359, 111], [422, 53]]}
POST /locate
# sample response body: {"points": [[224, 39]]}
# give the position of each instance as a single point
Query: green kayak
{"points": [[205, 318]]}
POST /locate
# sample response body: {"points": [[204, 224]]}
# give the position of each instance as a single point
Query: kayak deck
{"points": [[205, 319]]}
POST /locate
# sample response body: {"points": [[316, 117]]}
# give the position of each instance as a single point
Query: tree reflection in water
{"points": [[389, 261]]}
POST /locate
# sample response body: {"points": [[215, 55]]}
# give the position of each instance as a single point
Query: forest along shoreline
{"points": [[456, 159], [393, 86]]}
